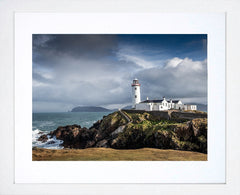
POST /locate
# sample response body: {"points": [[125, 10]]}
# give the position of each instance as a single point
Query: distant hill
{"points": [[124, 108], [89, 109], [127, 108]]}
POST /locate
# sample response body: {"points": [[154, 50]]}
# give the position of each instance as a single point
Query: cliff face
{"points": [[146, 130], [130, 130]]}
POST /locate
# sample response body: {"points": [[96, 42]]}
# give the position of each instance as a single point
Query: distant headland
{"points": [[90, 109]]}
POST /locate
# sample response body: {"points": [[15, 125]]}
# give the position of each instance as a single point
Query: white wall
{"points": [[143, 106], [151, 106], [190, 107], [136, 95]]}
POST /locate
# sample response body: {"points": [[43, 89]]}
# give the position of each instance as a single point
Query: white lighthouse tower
{"points": [[136, 97]]}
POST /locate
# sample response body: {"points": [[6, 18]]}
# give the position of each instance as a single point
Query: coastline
{"points": [[130, 135], [45, 122]]}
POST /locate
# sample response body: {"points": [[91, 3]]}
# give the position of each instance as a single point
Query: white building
{"points": [[136, 97], [155, 105], [190, 107]]}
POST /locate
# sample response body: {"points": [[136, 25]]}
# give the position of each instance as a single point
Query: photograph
{"points": [[119, 97]]}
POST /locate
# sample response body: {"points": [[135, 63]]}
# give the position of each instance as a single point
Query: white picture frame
{"points": [[211, 171]]}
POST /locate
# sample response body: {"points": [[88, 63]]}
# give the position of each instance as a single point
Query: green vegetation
{"points": [[148, 124], [113, 120], [148, 130]]}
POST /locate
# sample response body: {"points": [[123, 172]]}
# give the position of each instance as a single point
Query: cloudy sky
{"points": [[97, 70]]}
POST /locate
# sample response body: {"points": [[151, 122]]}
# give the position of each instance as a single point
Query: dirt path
{"points": [[125, 116], [121, 128]]}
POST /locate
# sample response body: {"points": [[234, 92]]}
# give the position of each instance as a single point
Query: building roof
{"points": [[159, 101], [174, 101], [135, 83], [152, 101]]}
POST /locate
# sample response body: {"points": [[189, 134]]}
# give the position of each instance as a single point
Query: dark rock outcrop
{"points": [[103, 143], [181, 138], [144, 130], [51, 142], [184, 132], [183, 116], [74, 136], [43, 138]]}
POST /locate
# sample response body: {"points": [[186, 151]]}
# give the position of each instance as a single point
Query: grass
{"points": [[153, 126], [113, 120], [108, 154]]}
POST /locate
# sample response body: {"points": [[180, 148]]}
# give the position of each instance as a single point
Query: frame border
{"points": [[212, 171]]}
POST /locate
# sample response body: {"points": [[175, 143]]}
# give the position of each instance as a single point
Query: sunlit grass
{"points": [[108, 154]]}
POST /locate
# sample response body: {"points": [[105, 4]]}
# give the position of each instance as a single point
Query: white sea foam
{"points": [[52, 143]]}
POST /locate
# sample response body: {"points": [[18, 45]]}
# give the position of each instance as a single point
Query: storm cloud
{"points": [[97, 70]]}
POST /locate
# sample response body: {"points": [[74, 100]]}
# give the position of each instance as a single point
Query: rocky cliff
{"points": [[131, 130]]}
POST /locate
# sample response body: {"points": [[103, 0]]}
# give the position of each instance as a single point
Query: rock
{"points": [[69, 130], [163, 139], [43, 138], [111, 123], [199, 126], [183, 116], [98, 137], [89, 144], [51, 142], [74, 136], [131, 138], [97, 124], [192, 135], [118, 130], [184, 132], [102, 144]]}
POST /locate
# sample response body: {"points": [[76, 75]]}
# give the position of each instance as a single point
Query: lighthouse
{"points": [[136, 97]]}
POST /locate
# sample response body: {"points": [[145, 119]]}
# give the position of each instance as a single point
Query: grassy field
{"points": [[108, 154]]}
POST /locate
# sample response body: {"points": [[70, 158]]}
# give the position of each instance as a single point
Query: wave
{"points": [[52, 143]]}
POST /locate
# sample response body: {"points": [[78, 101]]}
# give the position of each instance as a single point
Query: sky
{"points": [[72, 70]]}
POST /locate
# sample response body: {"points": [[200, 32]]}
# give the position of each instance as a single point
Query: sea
{"points": [[43, 123]]}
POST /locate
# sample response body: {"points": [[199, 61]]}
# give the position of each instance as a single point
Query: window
{"points": [[135, 88], [135, 96]]}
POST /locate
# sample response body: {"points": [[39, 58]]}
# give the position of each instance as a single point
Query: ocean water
{"points": [[43, 123]]}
